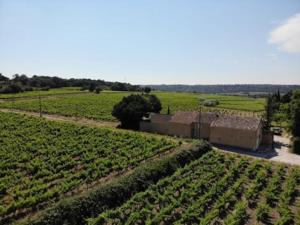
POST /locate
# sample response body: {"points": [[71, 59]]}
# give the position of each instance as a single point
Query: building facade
{"points": [[237, 131]]}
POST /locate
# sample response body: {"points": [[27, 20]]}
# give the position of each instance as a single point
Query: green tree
{"points": [[3, 78], [155, 104], [168, 111], [92, 87], [296, 145], [11, 88], [295, 121], [295, 114], [286, 98], [278, 96], [131, 110], [268, 113], [147, 90], [98, 90]]}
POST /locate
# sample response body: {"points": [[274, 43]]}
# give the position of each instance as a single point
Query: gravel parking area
{"points": [[280, 152]]}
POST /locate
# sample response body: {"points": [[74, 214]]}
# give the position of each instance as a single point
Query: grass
{"points": [[99, 106]]}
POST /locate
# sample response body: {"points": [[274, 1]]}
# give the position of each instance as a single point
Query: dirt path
{"points": [[55, 117], [281, 147]]}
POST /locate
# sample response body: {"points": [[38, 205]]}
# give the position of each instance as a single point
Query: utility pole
{"points": [[199, 122], [40, 105], [77, 112]]}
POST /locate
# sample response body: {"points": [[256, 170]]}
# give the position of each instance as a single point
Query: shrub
{"points": [[98, 90], [147, 90], [211, 102], [92, 87], [296, 145], [84, 88], [11, 88], [155, 104], [262, 212], [45, 89], [28, 88]]}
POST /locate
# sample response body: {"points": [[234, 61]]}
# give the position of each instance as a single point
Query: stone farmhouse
{"points": [[237, 131]]}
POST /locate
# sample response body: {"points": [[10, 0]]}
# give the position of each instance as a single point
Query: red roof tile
{"points": [[237, 122], [185, 117]]}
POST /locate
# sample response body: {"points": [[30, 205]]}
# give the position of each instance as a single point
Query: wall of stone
{"points": [[238, 138]]}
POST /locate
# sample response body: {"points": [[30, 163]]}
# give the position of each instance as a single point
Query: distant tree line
{"points": [[245, 89], [22, 82]]}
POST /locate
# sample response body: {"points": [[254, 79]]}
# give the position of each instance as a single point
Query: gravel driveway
{"points": [[281, 147], [280, 153]]}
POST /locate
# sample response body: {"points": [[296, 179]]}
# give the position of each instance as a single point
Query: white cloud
{"points": [[287, 35]]}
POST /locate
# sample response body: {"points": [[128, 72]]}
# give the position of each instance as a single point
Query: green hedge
{"points": [[75, 210], [296, 145]]}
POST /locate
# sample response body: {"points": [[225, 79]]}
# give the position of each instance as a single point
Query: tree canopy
{"points": [[295, 114], [295, 121], [132, 108]]}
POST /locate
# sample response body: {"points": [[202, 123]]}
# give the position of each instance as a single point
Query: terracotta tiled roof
{"points": [[190, 117], [237, 122], [208, 117], [158, 118], [185, 117]]}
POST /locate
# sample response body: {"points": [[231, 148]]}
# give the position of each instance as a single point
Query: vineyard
{"points": [[218, 188], [42, 161], [51, 92], [99, 107]]}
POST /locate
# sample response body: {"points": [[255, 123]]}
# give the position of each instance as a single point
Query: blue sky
{"points": [[153, 42]]}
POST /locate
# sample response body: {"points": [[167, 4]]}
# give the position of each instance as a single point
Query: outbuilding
{"points": [[243, 132], [237, 131]]}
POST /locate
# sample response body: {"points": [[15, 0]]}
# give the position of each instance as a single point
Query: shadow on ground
{"points": [[264, 152]]}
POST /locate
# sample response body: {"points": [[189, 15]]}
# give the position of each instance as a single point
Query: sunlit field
{"points": [[99, 106]]}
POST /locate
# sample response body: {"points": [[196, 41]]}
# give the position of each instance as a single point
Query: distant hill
{"points": [[226, 88]]}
